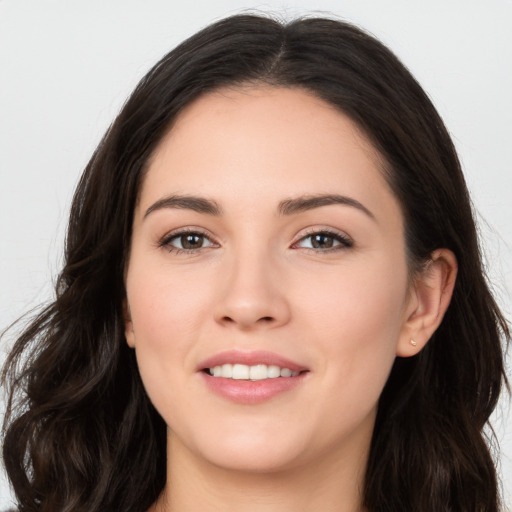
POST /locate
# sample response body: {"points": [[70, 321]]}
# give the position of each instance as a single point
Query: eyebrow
{"points": [[304, 203], [286, 207], [197, 204]]}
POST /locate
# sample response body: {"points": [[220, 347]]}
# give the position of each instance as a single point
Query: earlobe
{"points": [[128, 325], [430, 297]]}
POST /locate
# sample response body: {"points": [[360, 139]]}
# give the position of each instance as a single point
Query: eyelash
{"points": [[165, 242], [344, 241]]}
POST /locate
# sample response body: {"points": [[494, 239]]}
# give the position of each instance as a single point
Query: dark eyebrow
{"points": [[301, 204], [286, 207], [197, 204]]}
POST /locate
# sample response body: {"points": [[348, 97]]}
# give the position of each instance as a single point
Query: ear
{"points": [[129, 334], [429, 298]]}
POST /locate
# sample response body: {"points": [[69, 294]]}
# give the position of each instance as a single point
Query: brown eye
{"points": [[324, 241], [191, 241], [186, 241]]}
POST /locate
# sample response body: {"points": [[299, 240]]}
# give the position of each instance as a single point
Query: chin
{"points": [[250, 451], [253, 461]]}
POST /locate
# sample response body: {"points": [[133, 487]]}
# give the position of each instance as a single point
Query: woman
{"points": [[272, 298]]}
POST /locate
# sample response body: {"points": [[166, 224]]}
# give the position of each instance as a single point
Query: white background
{"points": [[66, 68]]}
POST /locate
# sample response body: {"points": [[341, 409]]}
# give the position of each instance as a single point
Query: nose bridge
{"points": [[252, 291]]}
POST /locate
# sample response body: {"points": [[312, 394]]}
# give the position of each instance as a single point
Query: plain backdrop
{"points": [[66, 68]]}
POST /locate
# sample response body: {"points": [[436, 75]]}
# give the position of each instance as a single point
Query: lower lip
{"points": [[251, 392]]}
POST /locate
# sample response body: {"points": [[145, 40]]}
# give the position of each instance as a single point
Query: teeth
{"points": [[286, 373], [256, 372], [240, 371], [273, 372]]}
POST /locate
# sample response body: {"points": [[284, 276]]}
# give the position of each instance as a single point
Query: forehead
{"points": [[264, 144]]}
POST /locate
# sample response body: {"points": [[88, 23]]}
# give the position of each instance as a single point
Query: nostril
{"points": [[246, 320]]}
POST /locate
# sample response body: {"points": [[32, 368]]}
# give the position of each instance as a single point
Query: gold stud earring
{"points": [[412, 342]]}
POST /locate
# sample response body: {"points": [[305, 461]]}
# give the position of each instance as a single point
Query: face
{"points": [[267, 250]]}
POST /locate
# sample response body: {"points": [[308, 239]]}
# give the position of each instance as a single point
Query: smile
{"points": [[251, 377], [254, 372]]}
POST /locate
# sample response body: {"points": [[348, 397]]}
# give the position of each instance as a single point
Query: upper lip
{"points": [[250, 359]]}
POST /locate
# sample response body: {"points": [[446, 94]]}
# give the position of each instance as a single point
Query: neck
{"points": [[330, 484]]}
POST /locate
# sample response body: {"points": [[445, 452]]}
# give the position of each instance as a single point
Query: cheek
{"points": [[167, 310], [160, 349], [353, 320], [355, 317], [166, 306], [359, 299]]}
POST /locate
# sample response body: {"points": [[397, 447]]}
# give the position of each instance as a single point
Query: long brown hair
{"points": [[80, 433]]}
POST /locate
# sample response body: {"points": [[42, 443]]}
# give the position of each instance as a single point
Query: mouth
{"points": [[251, 377], [253, 373]]}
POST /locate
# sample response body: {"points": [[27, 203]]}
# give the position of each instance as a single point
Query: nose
{"points": [[253, 295]]}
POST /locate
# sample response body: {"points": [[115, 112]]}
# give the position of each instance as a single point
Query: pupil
{"points": [[191, 241], [322, 242]]}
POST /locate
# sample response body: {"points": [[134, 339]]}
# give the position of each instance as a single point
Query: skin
{"points": [[257, 283]]}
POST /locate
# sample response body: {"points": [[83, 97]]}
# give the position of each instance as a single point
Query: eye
{"points": [[186, 241], [324, 241]]}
